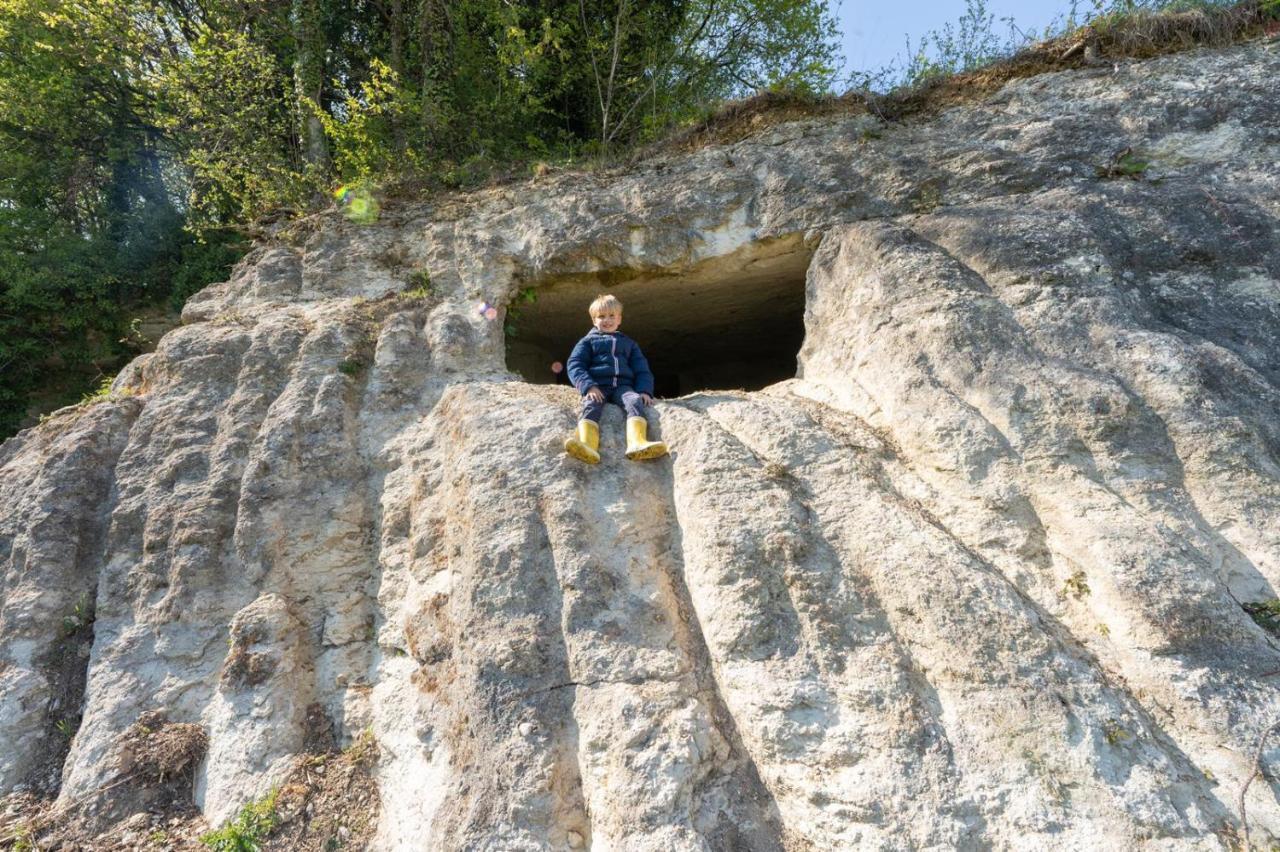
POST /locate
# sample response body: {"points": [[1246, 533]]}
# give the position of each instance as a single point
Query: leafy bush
{"points": [[1266, 614], [246, 832], [419, 286]]}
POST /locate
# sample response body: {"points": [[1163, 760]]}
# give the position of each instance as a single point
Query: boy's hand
{"points": [[648, 400], [596, 394]]}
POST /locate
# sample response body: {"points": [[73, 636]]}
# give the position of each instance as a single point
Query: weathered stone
{"points": [[972, 578]]}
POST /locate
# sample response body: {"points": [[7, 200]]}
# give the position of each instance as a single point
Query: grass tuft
{"points": [[1266, 614], [248, 830]]}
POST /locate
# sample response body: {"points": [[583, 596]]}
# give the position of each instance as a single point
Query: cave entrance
{"points": [[734, 321]]}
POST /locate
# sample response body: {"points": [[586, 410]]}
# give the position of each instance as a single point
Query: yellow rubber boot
{"points": [[585, 444], [638, 444]]}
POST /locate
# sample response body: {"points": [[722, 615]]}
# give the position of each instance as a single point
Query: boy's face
{"points": [[607, 320]]}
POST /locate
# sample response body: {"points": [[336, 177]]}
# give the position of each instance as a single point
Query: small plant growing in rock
{"points": [[351, 367], [419, 285], [527, 296], [363, 750], [23, 839], [230, 317], [1124, 165], [1076, 586], [246, 832], [776, 470], [1113, 733], [65, 728], [1266, 614], [81, 616], [103, 392], [928, 198]]}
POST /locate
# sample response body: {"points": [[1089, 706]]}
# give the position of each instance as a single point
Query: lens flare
{"points": [[491, 314], [556, 367], [357, 203]]}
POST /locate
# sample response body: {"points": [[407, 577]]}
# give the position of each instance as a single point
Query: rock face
{"points": [[973, 578]]}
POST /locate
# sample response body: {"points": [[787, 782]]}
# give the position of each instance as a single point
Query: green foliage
{"points": [[969, 43], [91, 220], [66, 728], [1124, 165], [1114, 733], [1077, 586], [23, 838], [81, 615], [228, 117], [361, 129], [1266, 614], [246, 832], [419, 286], [204, 257], [140, 138], [526, 296], [101, 392]]}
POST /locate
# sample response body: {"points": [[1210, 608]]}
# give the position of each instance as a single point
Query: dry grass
{"points": [[329, 801], [1102, 42], [147, 803], [156, 750]]}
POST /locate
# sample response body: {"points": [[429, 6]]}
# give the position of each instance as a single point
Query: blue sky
{"points": [[874, 31]]}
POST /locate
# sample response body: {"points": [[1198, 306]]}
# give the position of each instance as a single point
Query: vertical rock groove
{"points": [[975, 578]]}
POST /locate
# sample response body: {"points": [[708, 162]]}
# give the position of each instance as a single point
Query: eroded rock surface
{"points": [[973, 579]]}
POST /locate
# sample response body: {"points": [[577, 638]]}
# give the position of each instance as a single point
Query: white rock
{"points": [[970, 580]]}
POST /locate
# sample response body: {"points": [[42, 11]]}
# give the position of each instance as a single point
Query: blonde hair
{"points": [[604, 302]]}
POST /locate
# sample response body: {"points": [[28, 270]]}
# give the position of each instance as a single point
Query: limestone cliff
{"points": [[964, 566]]}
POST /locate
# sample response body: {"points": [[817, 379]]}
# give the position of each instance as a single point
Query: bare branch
{"points": [[1254, 773], [613, 67], [677, 50], [595, 70]]}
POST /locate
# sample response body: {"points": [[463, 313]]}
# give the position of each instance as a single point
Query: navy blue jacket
{"points": [[609, 361]]}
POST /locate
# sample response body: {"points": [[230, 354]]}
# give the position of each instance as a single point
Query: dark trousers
{"points": [[623, 396]]}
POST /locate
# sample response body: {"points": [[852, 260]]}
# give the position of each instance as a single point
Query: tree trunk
{"points": [[396, 29], [308, 81]]}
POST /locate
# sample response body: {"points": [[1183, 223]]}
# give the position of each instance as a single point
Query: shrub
{"points": [[1266, 614], [419, 286], [246, 832]]}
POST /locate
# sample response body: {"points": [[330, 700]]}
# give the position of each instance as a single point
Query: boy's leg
{"points": [[631, 401], [585, 443], [591, 410], [638, 444]]}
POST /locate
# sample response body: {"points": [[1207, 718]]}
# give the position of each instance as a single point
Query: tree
{"points": [[138, 137], [89, 220]]}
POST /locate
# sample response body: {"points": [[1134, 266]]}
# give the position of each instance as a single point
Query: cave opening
{"points": [[730, 322]]}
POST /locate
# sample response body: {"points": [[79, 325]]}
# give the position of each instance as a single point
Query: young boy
{"points": [[608, 366]]}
